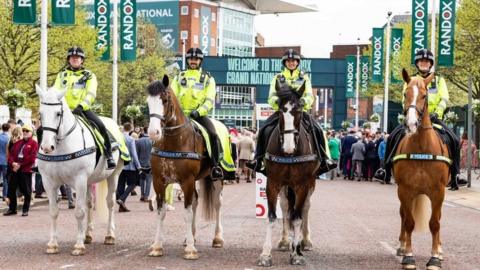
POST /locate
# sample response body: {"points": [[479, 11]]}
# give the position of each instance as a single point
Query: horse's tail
{"points": [[206, 190], [421, 211], [101, 189]]}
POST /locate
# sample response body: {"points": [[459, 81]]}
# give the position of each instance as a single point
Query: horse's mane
{"points": [[156, 87]]}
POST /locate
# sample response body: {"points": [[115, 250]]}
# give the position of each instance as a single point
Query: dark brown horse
{"points": [[291, 164], [421, 170], [179, 155]]}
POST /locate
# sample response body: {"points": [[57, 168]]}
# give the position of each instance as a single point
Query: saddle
{"points": [[225, 159], [116, 137]]}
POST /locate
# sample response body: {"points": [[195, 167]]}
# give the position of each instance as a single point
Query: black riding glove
{"points": [[434, 117], [194, 114], [78, 110]]}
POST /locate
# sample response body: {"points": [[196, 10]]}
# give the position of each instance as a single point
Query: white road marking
{"points": [[390, 250], [449, 204], [67, 266]]}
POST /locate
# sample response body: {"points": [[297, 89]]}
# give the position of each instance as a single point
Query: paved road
{"points": [[354, 226]]}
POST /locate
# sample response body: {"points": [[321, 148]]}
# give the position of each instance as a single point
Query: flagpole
{"points": [[115, 62], [387, 74], [357, 85], [43, 44]]}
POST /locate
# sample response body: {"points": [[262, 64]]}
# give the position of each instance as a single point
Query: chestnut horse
{"points": [[179, 155], [421, 170], [291, 165]]}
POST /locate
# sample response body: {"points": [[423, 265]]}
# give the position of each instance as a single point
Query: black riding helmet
{"points": [[291, 54], [194, 53], [76, 51], [424, 54]]}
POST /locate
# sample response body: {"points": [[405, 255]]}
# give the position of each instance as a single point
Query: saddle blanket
{"points": [[225, 159]]}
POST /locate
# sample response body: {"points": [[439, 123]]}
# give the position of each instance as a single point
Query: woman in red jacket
{"points": [[20, 160]]}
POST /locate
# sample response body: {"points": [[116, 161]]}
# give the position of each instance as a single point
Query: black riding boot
{"points": [[216, 172], [106, 140], [326, 164], [262, 142]]}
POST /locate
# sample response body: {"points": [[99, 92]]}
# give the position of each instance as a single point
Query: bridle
{"points": [[420, 112], [171, 116], [293, 131], [56, 130]]}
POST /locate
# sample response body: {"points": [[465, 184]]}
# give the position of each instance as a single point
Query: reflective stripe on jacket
{"points": [[294, 79], [79, 92]]}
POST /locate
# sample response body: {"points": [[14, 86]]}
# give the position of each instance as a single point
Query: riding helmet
{"points": [[291, 54], [76, 51], [424, 54]]}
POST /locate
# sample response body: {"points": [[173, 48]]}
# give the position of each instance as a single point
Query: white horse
{"points": [[67, 156]]}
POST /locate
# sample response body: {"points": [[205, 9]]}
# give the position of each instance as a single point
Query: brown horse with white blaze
{"points": [[291, 165], [179, 155], [421, 170]]}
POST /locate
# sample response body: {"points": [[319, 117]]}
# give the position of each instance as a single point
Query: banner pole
{"points": [[432, 36], [357, 84], [43, 44], [387, 74], [115, 62]]}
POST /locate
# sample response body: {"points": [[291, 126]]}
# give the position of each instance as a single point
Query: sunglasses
{"points": [[26, 130]]}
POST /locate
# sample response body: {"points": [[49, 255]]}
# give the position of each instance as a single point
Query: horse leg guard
{"points": [[434, 264], [408, 262]]}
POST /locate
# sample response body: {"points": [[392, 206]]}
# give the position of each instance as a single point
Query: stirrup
{"points": [[111, 164], [216, 172]]}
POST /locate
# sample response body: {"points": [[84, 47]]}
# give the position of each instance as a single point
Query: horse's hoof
{"points": [[78, 251], [217, 242], [265, 260], [52, 249], [156, 252], [284, 245], [190, 255], [109, 240], [88, 239], [400, 252], [408, 262], [297, 260], [434, 264], [306, 245]]}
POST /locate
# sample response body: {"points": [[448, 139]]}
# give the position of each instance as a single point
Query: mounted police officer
{"points": [[195, 90], [437, 103], [295, 78], [81, 90]]}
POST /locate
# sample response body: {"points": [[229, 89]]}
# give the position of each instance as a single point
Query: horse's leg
{"points": [[306, 241], [88, 234], [401, 238], [156, 249], [301, 194], [112, 186], [194, 209], [188, 187], [284, 244], [273, 189], [217, 202], [406, 200], [51, 190], [81, 188], [435, 261]]}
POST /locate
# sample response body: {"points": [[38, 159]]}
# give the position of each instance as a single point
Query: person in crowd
{"points": [[346, 154], [246, 147], [21, 159], [129, 174], [4, 138], [358, 156], [370, 157], [334, 146], [144, 148]]}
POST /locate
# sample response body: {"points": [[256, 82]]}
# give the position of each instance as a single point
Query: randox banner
{"points": [[350, 78], [24, 11], [205, 31], [447, 33], [396, 42], [102, 24], [63, 12], [128, 30], [364, 73], [377, 55], [419, 26]]}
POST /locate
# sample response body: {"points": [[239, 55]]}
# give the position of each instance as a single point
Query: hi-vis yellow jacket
{"points": [[437, 96], [81, 86], [195, 90], [295, 79]]}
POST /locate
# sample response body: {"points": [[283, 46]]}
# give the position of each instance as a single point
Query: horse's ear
{"points": [[429, 78], [39, 91], [165, 81], [405, 75]]}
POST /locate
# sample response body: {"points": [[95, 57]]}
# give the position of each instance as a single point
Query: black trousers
{"points": [[447, 135], [214, 140], [308, 122], [23, 181], [101, 127]]}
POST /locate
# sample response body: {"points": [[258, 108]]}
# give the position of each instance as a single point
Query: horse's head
{"points": [[52, 110], [290, 109], [415, 106], [160, 106]]}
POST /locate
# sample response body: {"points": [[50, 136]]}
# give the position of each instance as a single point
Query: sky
{"points": [[336, 22]]}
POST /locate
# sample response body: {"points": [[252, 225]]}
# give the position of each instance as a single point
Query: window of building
{"points": [[196, 13], [184, 34], [195, 39], [235, 102], [184, 10], [214, 16], [238, 33]]}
